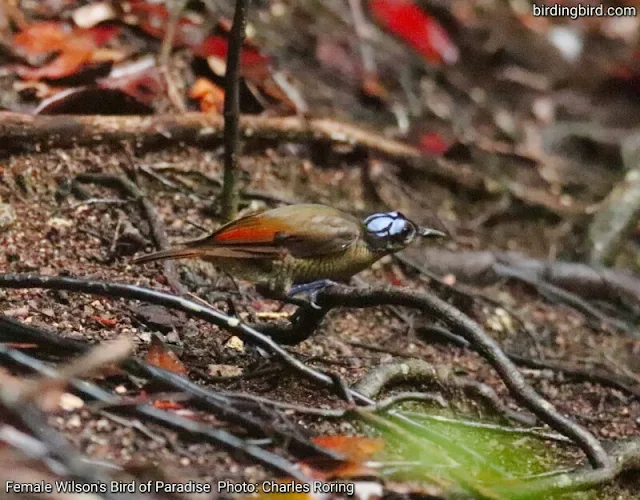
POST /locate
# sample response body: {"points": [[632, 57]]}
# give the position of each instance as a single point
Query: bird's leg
{"points": [[312, 288]]}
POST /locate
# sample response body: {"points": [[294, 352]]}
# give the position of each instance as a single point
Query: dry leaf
{"points": [[208, 94], [158, 355]]}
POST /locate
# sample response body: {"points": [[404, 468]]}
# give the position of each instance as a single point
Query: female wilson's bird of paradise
{"points": [[300, 244]]}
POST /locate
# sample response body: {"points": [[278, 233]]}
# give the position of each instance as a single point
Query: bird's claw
{"points": [[313, 289]]}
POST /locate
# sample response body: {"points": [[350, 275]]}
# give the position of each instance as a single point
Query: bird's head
{"points": [[391, 232]]}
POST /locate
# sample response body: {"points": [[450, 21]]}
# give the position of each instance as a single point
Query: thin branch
{"points": [[473, 295], [232, 112], [554, 293], [381, 406], [221, 405], [569, 371], [578, 373]]}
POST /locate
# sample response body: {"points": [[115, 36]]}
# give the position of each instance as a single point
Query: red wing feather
{"points": [[247, 231], [302, 230]]}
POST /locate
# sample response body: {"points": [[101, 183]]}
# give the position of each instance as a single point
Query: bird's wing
{"points": [[300, 230]]}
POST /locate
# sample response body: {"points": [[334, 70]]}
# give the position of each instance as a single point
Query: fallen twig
{"points": [[192, 308], [472, 294], [221, 405], [17, 129], [381, 406], [554, 293]]}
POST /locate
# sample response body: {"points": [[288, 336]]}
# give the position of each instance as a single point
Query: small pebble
{"points": [[224, 370], [7, 216], [70, 402], [235, 343], [74, 422]]}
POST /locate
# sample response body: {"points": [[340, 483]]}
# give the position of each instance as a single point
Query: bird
{"points": [[299, 248]]}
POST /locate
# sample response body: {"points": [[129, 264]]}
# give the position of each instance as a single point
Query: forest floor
{"points": [[57, 232]]}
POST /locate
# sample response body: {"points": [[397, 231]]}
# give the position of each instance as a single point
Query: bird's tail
{"points": [[170, 254]]}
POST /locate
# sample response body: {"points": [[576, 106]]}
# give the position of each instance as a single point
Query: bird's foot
{"points": [[312, 288]]}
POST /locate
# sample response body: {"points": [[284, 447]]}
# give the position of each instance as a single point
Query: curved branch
{"points": [[418, 370]]}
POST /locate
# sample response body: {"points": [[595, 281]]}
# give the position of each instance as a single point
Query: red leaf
{"points": [[158, 355], [19, 345], [394, 279], [49, 36], [208, 94], [372, 87], [105, 321], [420, 30], [433, 143], [76, 48], [253, 64], [357, 450], [167, 405], [102, 34]]}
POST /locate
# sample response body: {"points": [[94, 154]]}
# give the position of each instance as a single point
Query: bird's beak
{"points": [[426, 232]]}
